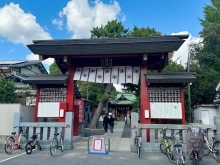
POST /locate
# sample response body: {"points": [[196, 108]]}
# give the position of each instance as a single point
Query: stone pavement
{"points": [[119, 154]]}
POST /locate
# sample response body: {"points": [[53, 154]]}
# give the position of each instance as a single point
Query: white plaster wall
{"points": [[212, 112], [197, 115], [28, 113], [6, 118]]}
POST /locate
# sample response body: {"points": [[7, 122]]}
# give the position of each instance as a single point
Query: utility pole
{"points": [[87, 93], [189, 92]]}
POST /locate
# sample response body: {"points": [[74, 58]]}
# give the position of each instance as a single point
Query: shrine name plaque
{"points": [[166, 110], [48, 109]]}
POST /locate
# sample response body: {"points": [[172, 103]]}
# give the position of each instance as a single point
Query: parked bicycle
{"points": [[164, 145], [57, 143], [178, 155], [32, 144], [172, 149], [214, 148], [137, 143], [15, 141]]}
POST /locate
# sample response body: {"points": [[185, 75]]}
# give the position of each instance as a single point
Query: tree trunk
{"points": [[98, 111]]}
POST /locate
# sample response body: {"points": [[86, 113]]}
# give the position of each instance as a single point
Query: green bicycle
{"points": [[56, 143]]}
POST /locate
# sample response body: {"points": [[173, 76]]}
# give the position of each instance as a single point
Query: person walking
{"points": [[106, 122], [125, 119], [111, 123]]}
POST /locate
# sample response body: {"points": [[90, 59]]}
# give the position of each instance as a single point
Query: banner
{"points": [[129, 75], [77, 74], [92, 75], [121, 75], [99, 75], [136, 75], [114, 75], [85, 74]]}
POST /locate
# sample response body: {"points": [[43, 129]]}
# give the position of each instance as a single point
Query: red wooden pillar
{"points": [[36, 104], [145, 104], [70, 97], [183, 106]]}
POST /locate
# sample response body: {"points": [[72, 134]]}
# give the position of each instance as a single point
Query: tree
{"points": [[54, 69], [113, 29], [7, 91], [206, 57], [143, 32]]}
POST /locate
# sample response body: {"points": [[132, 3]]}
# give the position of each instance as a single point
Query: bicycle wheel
{"points": [[9, 144], [216, 151], [163, 149], [22, 142], [61, 144], [53, 147], [206, 150], [38, 145], [28, 149], [170, 155]]}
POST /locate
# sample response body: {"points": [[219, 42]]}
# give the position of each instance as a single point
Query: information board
{"points": [[48, 109], [166, 110]]}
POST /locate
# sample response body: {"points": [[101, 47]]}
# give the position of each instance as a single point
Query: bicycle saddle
{"points": [[13, 133], [168, 137], [177, 145], [56, 134]]}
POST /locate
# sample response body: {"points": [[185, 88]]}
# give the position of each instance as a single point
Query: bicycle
{"points": [[57, 143], [137, 143], [214, 148], [32, 144], [13, 141], [179, 157], [174, 152]]}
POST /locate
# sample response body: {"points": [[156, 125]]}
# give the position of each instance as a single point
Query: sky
{"points": [[22, 21]]}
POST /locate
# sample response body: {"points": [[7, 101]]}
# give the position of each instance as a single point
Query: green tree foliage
{"points": [[54, 69], [173, 67], [113, 29], [94, 92], [143, 32], [205, 57], [7, 91]]}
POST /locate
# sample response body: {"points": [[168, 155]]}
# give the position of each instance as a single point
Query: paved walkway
{"points": [[117, 142]]}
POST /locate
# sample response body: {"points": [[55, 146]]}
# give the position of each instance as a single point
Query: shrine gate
{"points": [[118, 60]]}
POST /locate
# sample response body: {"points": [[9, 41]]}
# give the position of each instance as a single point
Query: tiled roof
{"points": [[127, 99], [19, 64], [179, 77], [108, 45], [43, 78]]}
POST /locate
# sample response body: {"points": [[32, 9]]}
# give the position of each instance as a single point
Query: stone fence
{"points": [[151, 136], [46, 129]]}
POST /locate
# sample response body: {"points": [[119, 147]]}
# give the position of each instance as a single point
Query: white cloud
{"points": [[20, 27], [46, 62], [181, 55], [58, 23], [80, 16]]}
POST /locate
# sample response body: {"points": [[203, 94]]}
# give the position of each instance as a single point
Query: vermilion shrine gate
{"points": [[115, 60]]}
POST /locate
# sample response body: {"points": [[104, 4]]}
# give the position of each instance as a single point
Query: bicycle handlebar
{"points": [[206, 130]]}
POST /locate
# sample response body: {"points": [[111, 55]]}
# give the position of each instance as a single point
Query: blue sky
{"points": [[25, 20]]}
